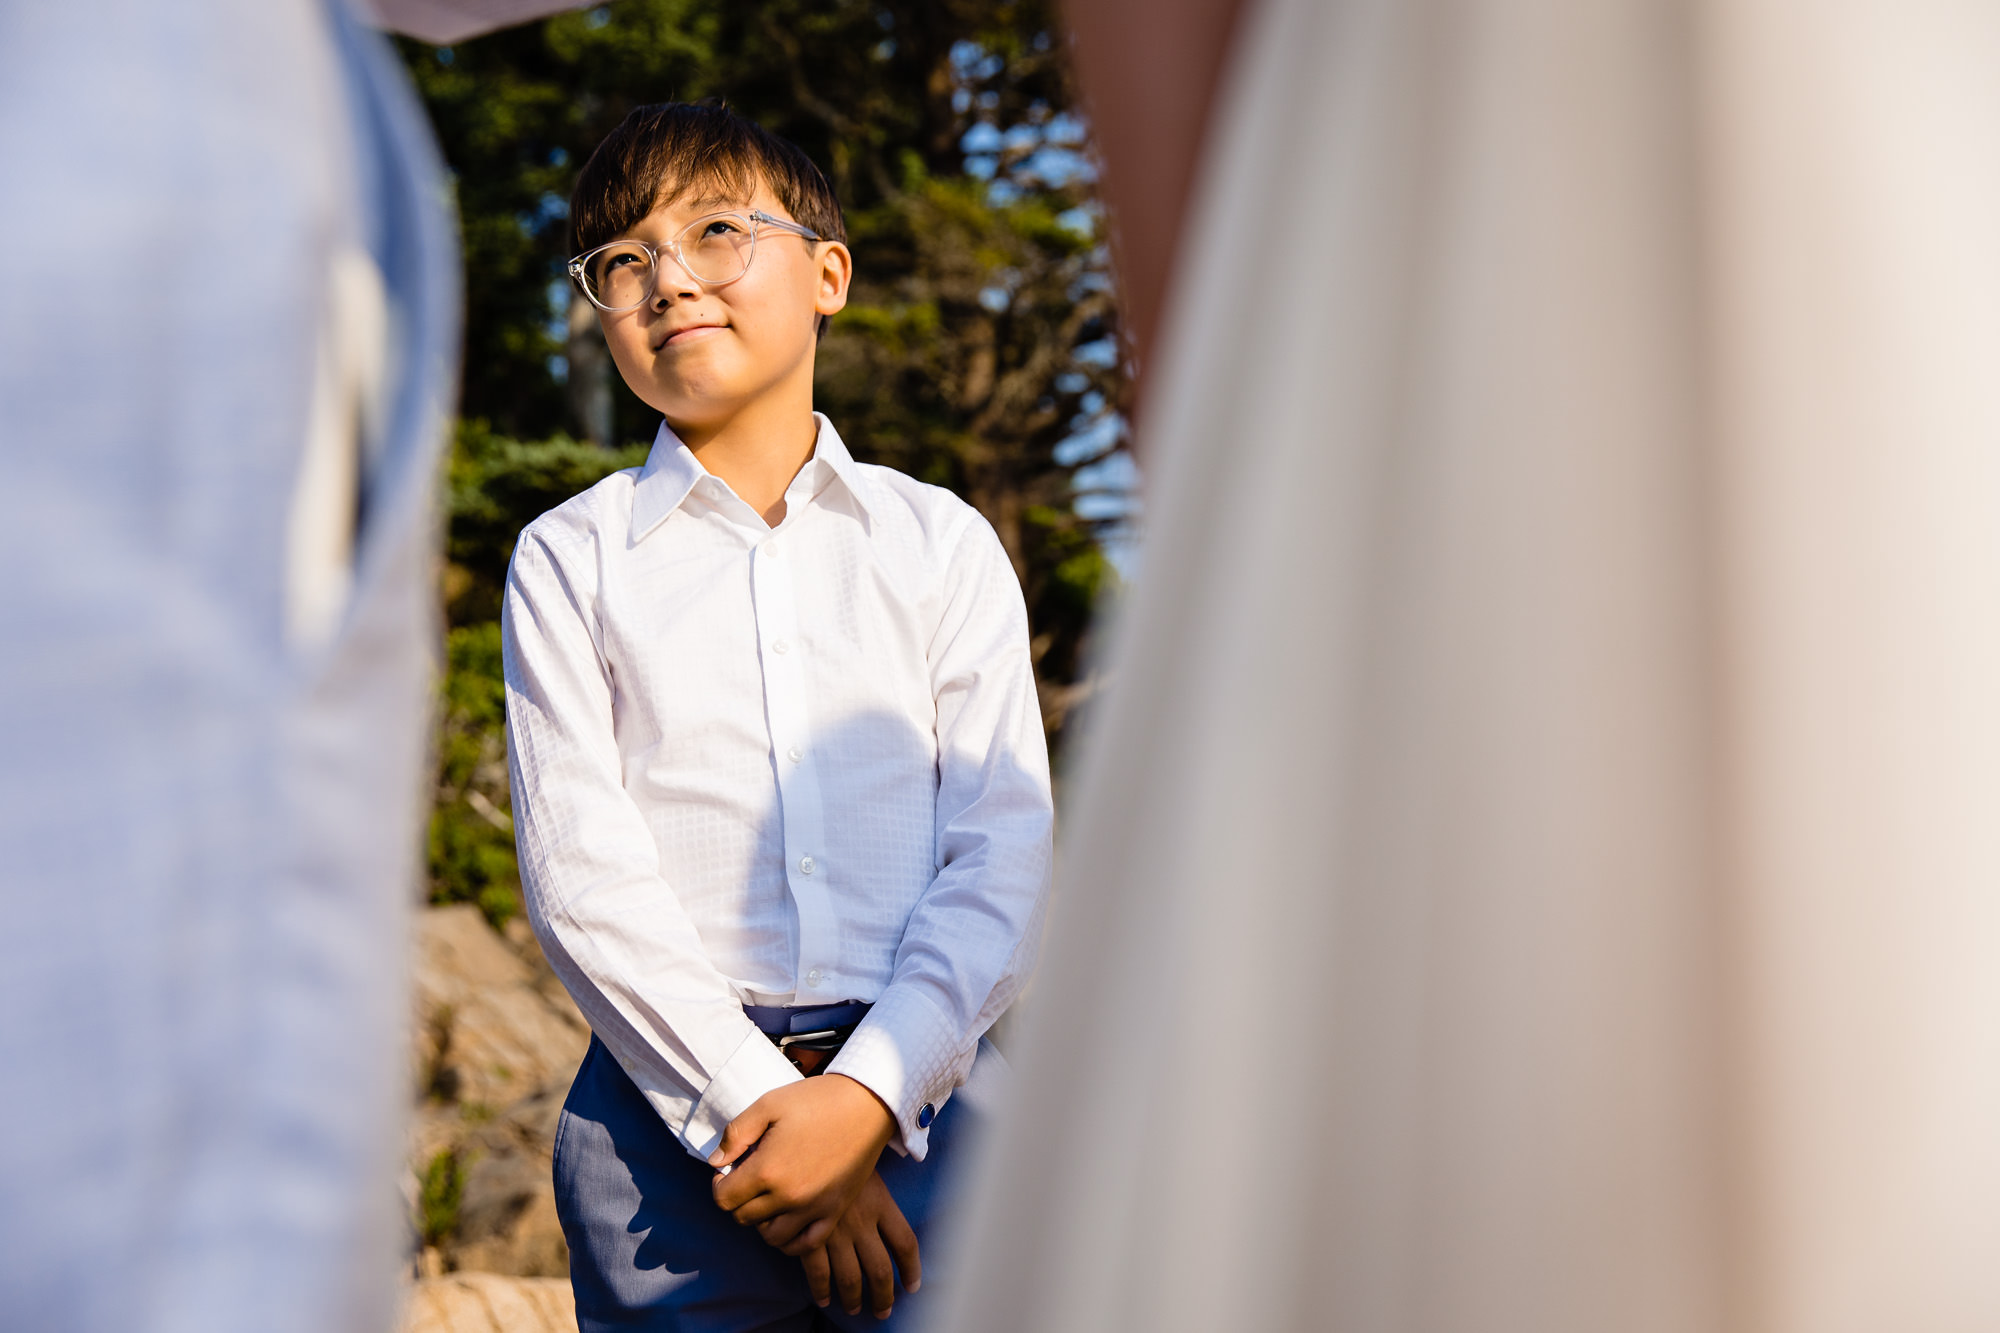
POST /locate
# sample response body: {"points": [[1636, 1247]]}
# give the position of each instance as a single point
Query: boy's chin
{"points": [[699, 411], [708, 403], [703, 401]]}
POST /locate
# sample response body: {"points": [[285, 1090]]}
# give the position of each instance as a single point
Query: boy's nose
{"points": [[667, 294], [673, 283]]}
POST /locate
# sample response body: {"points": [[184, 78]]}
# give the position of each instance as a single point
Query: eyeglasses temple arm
{"points": [[758, 215]]}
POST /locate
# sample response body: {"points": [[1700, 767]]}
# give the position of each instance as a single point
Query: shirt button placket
{"points": [[785, 674]]}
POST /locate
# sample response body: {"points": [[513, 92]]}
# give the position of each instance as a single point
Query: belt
{"points": [[808, 1034]]}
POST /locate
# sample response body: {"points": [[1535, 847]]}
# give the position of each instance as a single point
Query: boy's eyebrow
{"points": [[707, 202]]}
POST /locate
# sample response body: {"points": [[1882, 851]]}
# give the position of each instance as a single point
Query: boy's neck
{"points": [[757, 451]]}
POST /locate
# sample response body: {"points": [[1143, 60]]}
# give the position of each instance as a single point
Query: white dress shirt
{"points": [[778, 766]]}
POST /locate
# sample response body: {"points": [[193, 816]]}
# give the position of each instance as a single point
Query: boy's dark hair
{"points": [[661, 151]]}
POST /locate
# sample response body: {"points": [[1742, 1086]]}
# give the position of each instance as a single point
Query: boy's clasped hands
{"points": [[811, 1189]]}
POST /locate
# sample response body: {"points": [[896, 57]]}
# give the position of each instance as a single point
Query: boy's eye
{"points": [[616, 265], [620, 278], [720, 227]]}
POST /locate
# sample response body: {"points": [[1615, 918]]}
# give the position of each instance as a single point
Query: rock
{"points": [[531, 1244], [521, 939], [487, 1032], [496, 1044], [489, 1303], [507, 1218]]}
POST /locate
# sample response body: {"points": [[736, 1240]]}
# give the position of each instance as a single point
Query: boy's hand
{"points": [[858, 1253], [817, 1142]]}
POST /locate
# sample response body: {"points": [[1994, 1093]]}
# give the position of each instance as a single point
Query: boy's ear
{"points": [[836, 271]]}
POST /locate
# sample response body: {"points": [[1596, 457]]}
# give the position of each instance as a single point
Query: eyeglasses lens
{"points": [[714, 250], [717, 249], [619, 276]]}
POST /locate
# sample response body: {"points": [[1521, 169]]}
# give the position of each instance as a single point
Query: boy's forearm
{"points": [[918, 1041]]}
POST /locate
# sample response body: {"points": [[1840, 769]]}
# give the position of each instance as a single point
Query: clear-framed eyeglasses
{"points": [[714, 250]]}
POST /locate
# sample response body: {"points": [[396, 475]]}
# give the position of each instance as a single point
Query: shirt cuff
{"points": [[753, 1069], [907, 1053]]}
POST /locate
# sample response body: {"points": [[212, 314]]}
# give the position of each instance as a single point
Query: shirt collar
{"points": [[672, 470], [831, 450]]}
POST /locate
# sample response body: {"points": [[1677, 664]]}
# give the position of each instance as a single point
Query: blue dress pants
{"points": [[649, 1249]]}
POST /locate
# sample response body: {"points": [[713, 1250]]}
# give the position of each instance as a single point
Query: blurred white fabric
{"points": [[1537, 873], [443, 21], [225, 236]]}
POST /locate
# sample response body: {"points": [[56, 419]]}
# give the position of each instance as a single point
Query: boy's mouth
{"points": [[685, 334]]}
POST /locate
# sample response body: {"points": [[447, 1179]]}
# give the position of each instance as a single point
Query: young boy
{"points": [[779, 776]]}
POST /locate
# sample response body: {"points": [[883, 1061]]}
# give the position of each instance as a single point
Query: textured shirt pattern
{"points": [[790, 765]]}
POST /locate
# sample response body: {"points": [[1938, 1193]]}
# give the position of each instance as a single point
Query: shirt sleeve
{"points": [[971, 941], [611, 925]]}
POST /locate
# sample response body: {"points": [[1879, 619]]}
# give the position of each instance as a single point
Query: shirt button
{"points": [[781, 647], [926, 1115], [814, 977], [795, 754], [806, 864], [770, 548]]}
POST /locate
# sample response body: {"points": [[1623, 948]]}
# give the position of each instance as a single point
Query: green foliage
{"points": [[1080, 573], [440, 1195], [496, 486], [472, 826]]}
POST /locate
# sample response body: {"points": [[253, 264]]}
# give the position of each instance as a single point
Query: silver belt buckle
{"points": [[807, 1036]]}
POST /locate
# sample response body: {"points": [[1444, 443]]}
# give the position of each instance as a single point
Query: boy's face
{"points": [[700, 355]]}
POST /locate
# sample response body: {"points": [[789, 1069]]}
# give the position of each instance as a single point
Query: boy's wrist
{"points": [[882, 1125], [905, 1053], [756, 1068]]}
